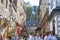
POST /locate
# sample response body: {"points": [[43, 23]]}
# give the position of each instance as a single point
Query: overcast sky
{"points": [[33, 2]]}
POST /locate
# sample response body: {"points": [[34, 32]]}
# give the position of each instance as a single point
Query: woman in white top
{"points": [[31, 37], [39, 36], [45, 37], [53, 37]]}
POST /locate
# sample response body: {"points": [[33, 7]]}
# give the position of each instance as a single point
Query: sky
{"points": [[33, 2]]}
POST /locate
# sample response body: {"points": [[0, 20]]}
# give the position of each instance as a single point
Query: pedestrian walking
{"points": [[14, 37], [49, 35], [1, 37], [45, 37], [35, 36], [9, 38], [31, 37], [39, 36], [19, 33], [53, 37]]}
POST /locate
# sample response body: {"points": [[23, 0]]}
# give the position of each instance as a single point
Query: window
{"points": [[15, 2], [58, 3], [59, 33], [2, 1], [10, 0], [59, 29], [58, 19], [52, 3], [6, 3], [58, 16], [40, 2], [58, 23], [15, 5]]}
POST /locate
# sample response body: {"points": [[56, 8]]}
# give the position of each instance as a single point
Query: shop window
{"points": [[58, 3], [15, 5], [52, 3], [58, 19]]}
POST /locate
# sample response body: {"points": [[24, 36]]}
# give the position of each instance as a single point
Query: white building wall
{"points": [[51, 26], [58, 2], [49, 7], [55, 24], [0, 1], [21, 16], [43, 7], [58, 25], [52, 5], [4, 2]]}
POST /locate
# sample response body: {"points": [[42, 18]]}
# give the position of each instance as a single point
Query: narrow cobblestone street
{"points": [[29, 19]]}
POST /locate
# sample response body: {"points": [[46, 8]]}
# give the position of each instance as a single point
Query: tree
{"points": [[36, 16], [28, 11]]}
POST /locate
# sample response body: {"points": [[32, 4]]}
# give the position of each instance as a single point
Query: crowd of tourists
{"points": [[50, 36], [23, 35], [38, 36], [33, 36]]}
